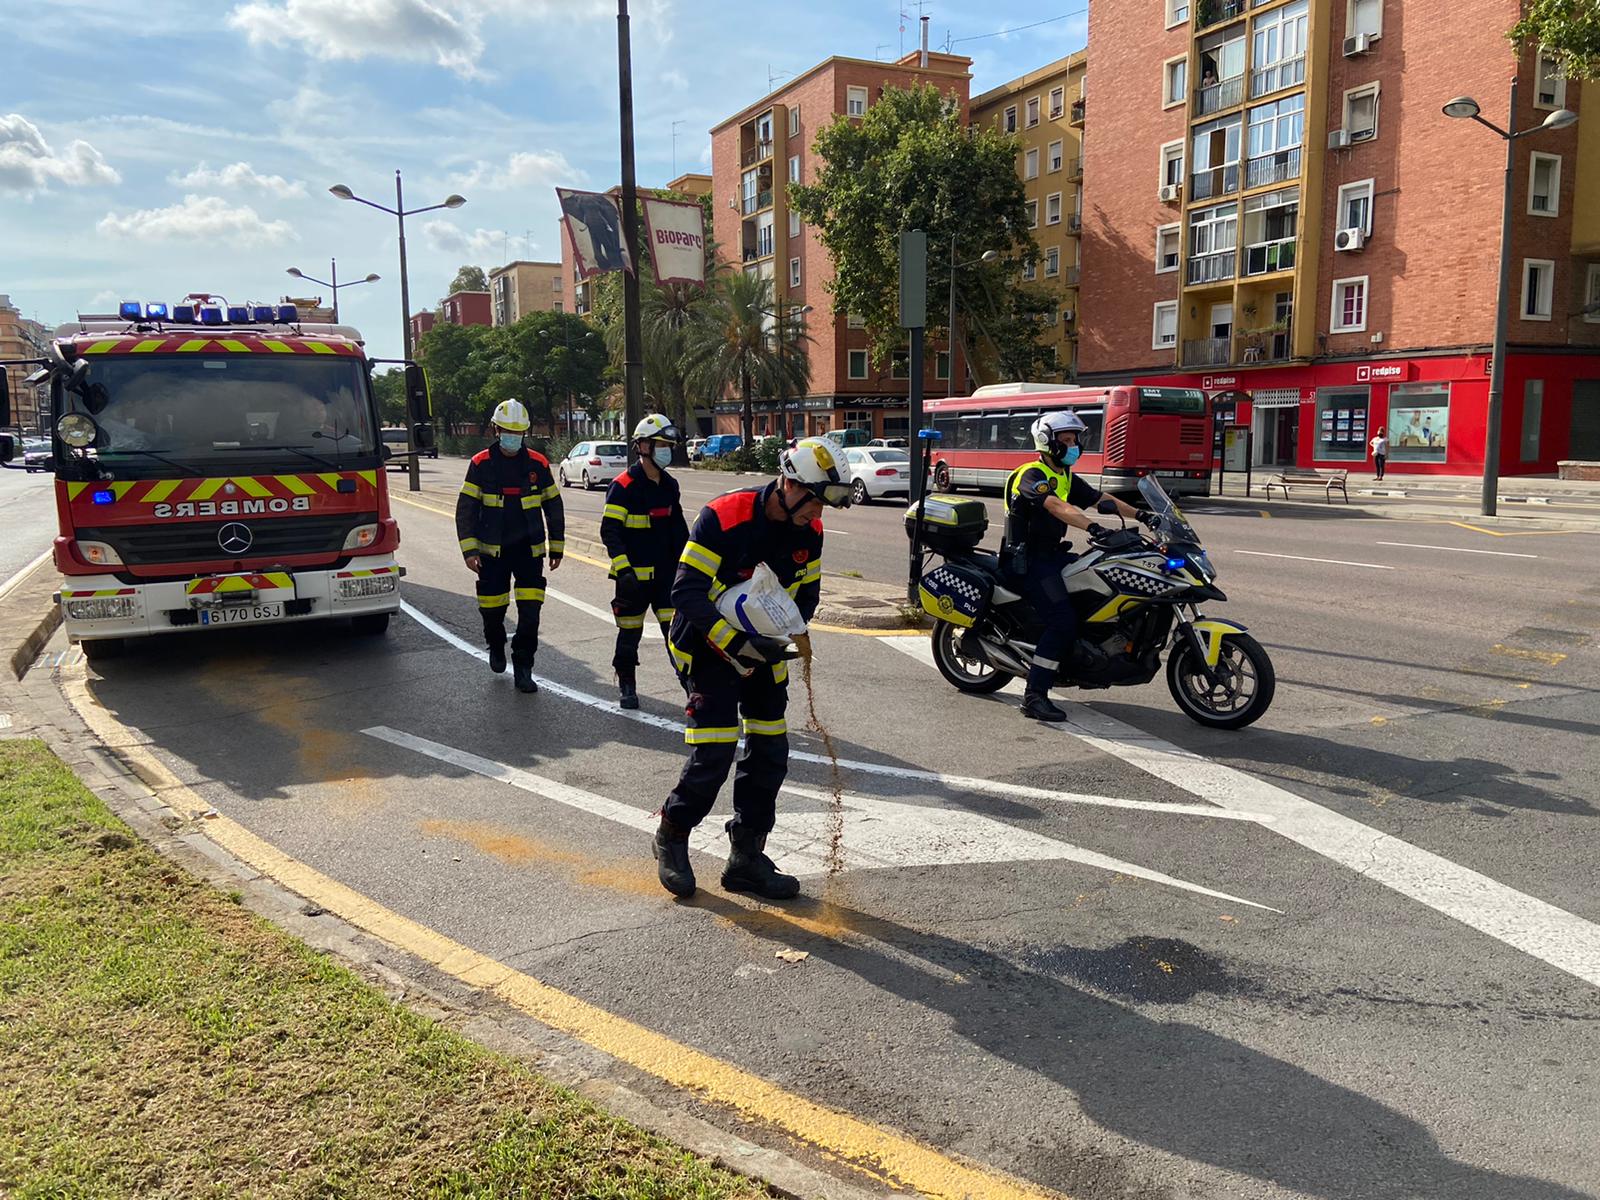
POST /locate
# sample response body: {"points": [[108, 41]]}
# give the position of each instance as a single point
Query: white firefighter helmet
{"points": [[657, 427], [1050, 426], [761, 607], [511, 416], [813, 463]]}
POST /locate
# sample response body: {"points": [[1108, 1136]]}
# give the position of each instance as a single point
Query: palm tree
{"points": [[730, 346], [665, 315]]}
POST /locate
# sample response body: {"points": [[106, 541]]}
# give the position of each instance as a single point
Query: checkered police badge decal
{"points": [[964, 594], [1136, 582]]}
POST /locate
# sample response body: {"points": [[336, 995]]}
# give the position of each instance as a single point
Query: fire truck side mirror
{"points": [[419, 407], [8, 448]]}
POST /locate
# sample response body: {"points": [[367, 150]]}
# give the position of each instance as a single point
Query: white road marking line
{"points": [[1458, 549], [878, 834], [22, 574], [956, 782], [1338, 562], [1524, 922], [652, 627]]}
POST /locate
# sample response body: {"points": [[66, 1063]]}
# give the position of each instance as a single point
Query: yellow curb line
{"points": [[883, 1155], [605, 566]]}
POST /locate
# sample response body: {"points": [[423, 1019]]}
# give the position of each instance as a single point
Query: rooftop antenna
{"points": [[877, 50], [774, 76], [675, 125]]}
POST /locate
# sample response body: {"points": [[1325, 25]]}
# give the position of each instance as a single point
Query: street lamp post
{"points": [[333, 283], [399, 212], [1466, 108], [785, 428], [987, 256]]}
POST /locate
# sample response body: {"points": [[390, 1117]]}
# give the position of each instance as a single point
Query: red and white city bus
{"points": [[1132, 431]]}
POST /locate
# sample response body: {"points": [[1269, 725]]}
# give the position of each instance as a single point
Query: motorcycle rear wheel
{"points": [[1247, 683], [964, 674]]}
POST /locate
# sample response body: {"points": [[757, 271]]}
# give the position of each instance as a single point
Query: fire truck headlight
{"points": [[102, 608], [361, 537], [99, 554], [364, 586]]}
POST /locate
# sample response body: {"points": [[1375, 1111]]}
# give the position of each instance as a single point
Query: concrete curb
{"points": [[1548, 521], [29, 615], [564, 1060]]}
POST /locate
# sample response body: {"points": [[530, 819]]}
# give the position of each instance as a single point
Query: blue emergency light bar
{"points": [[238, 314], [210, 314], [930, 435], [183, 314], [130, 310], [288, 313], [261, 314], [156, 312]]}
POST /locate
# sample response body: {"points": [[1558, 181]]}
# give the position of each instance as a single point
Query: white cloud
{"points": [[524, 170], [28, 165], [201, 219], [240, 175], [480, 243]]}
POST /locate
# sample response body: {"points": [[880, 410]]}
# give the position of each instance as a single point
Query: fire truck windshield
{"points": [[230, 407]]}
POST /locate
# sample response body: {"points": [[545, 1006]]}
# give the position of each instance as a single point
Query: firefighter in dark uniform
{"points": [[509, 518], [644, 533], [1043, 499], [731, 673]]}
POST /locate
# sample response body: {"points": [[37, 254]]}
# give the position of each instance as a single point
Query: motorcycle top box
{"points": [[950, 524]]}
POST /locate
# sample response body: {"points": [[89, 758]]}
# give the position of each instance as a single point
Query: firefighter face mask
{"points": [[662, 455], [510, 442]]}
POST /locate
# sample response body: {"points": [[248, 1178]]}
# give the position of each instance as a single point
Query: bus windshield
{"points": [[227, 407]]}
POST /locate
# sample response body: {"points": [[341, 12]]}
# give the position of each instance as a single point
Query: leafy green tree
{"points": [[389, 390], [458, 369], [911, 163], [1568, 29], [469, 279], [543, 360], [733, 347]]}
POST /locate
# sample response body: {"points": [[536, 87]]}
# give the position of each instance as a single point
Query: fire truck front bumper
{"points": [[96, 607]]}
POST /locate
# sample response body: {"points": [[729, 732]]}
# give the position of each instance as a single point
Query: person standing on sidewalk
{"points": [[644, 533], [729, 673], [1380, 451], [509, 517]]}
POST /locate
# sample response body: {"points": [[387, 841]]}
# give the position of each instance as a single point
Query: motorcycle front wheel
{"points": [[1244, 688], [965, 674]]}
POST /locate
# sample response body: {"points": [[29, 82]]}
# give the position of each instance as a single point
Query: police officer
{"points": [[1043, 500], [728, 672], [509, 518], [644, 532]]}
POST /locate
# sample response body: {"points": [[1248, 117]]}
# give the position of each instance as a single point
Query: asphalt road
{"points": [[27, 518], [1351, 952]]}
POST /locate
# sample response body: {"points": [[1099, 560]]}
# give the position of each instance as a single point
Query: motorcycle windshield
{"points": [[1171, 523]]}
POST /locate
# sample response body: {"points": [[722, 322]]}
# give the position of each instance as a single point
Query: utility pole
{"points": [[632, 342], [913, 317]]}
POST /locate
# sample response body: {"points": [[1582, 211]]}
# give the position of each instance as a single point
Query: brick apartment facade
{"points": [[521, 287], [690, 184], [754, 154], [468, 308], [22, 338], [1278, 205], [1044, 109]]}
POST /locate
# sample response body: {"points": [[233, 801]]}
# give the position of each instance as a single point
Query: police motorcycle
{"points": [[1137, 597]]}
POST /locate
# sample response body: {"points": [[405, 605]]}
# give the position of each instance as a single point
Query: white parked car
{"points": [[595, 464], [878, 471], [892, 443], [693, 449]]}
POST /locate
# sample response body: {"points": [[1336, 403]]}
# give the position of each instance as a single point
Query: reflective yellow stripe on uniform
{"points": [[683, 659], [557, 547], [700, 558], [471, 489], [766, 728], [614, 512], [522, 594], [645, 572], [722, 634], [551, 492], [620, 563], [726, 734], [780, 672], [637, 521], [531, 502], [492, 500], [503, 600], [665, 615], [717, 588], [538, 550], [469, 545], [636, 622]]}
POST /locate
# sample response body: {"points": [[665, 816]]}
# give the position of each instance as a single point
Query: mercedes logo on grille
{"points": [[235, 538]]}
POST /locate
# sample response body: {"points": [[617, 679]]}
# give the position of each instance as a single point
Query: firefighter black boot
{"points": [[750, 870], [671, 848], [497, 659], [628, 689], [1039, 707], [522, 674]]}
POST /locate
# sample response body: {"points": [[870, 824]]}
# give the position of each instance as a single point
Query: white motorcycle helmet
{"points": [[814, 464], [1051, 426]]}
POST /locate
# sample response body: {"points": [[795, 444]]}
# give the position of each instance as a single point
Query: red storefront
{"points": [[1433, 410]]}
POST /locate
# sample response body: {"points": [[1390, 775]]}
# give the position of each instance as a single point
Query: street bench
{"points": [[1326, 480]]}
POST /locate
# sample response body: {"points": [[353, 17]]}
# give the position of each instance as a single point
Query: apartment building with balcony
{"points": [[755, 154], [1285, 210], [22, 338], [689, 184], [522, 287], [1044, 110]]}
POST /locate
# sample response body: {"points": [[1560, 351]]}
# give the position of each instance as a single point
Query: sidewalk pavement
{"points": [[847, 602]]}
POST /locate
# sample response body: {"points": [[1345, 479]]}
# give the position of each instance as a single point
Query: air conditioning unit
{"points": [[1170, 192], [1350, 239], [1356, 44], [1338, 139], [1067, 315]]}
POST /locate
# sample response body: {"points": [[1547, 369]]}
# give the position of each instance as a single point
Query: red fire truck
{"points": [[219, 465]]}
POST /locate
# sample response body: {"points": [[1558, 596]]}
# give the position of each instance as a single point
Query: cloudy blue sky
{"points": [[147, 151]]}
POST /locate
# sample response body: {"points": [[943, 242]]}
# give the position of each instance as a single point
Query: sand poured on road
{"points": [[835, 856]]}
